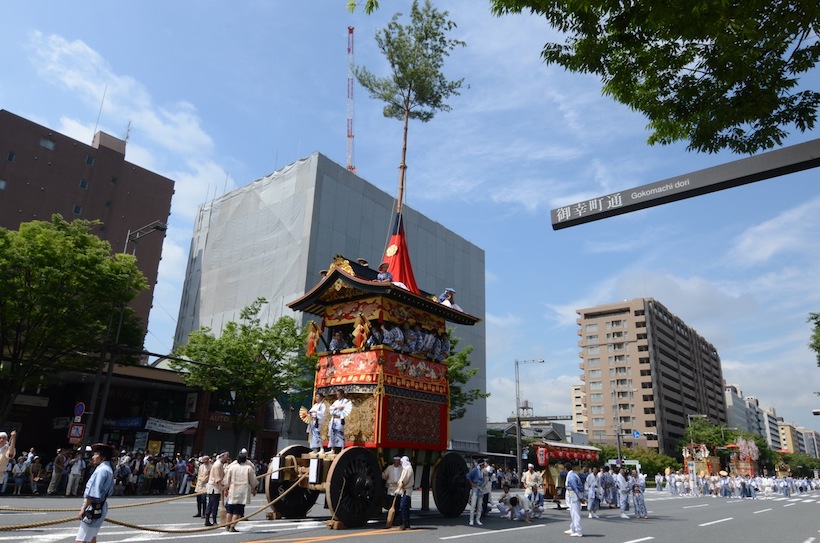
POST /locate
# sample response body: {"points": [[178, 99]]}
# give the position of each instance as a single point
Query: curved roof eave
{"points": [[311, 301]]}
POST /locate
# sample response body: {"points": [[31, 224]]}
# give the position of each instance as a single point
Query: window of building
{"points": [[78, 209], [47, 143], [593, 350], [596, 397], [84, 184], [2, 184], [10, 156], [598, 421], [596, 385], [597, 409], [89, 160], [594, 374], [598, 436], [113, 180], [592, 327], [592, 338], [593, 362]]}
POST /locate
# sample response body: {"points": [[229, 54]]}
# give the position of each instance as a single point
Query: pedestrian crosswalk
{"points": [[66, 533]]}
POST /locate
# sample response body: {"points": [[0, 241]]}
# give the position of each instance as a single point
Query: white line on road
{"points": [[762, 511], [716, 521], [809, 540], [789, 504], [639, 540], [492, 532], [693, 506]]}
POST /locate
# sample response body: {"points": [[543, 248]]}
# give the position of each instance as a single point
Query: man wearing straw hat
{"points": [[99, 487]]}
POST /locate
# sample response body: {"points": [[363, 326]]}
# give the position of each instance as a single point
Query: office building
{"points": [[646, 375], [791, 439], [43, 172], [273, 236]]}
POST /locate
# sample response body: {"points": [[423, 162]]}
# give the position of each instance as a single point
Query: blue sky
{"points": [[221, 94]]}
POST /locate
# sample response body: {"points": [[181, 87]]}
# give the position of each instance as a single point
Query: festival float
{"points": [[400, 400]]}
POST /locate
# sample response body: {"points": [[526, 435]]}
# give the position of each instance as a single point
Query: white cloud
{"points": [[791, 232]]}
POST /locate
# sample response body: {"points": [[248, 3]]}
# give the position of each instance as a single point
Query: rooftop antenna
{"points": [[105, 90], [127, 132]]}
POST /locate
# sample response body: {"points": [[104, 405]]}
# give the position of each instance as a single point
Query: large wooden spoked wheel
{"points": [[354, 486], [298, 501], [451, 491]]}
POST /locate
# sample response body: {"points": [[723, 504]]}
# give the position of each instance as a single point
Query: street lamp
{"points": [[518, 411], [132, 237]]}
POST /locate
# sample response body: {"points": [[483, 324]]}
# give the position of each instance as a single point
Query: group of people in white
{"points": [[725, 485], [617, 487]]}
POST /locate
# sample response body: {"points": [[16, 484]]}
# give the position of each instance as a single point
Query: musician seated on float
{"points": [[392, 336], [375, 337], [441, 347], [428, 344], [338, 342], [409, 338]]}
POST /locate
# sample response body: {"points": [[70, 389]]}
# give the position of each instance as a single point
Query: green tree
{"points": [[416, 88], [62, 292], [720, 75], [814, 344], [369, 6], [459, 373], [254, 363]]}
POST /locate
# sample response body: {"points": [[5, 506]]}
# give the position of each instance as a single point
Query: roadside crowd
{"points": [[135, 473]]}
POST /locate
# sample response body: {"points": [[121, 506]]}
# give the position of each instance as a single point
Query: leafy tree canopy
{"points": [[459, 373], [62, 290], [254, 362], [720, 75], [417, 88], [814, 344], [369, 5]]}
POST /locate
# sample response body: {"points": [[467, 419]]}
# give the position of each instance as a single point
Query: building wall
{"points": [[43, 172], [738, 414], [272, 237], [790, 438], [579, 419], [646, 371]]}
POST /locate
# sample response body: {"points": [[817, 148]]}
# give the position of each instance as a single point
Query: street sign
{"points": [[79, 409], [78, 419], [636, 434], [76, 431]]}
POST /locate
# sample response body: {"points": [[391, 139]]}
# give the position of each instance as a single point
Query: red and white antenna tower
{"points": [[350, 165]]}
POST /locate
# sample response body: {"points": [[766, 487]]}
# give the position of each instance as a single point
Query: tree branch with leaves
{"points": [[254, 363]]}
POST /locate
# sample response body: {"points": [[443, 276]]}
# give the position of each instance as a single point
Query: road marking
{"points": [[789, 505], [716, 521], [808, 501], [762, 511], [693, 506], [639, 540], [319, 538], [486, 532], [809, 540]]}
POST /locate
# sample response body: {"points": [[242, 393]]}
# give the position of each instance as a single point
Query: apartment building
{"points": [[646, 374], [43, 172]]}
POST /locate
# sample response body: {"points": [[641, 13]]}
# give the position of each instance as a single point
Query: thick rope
{"points": [[126, 505], [206, 528], [136, 527]]}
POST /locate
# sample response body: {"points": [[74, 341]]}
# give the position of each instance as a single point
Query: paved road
{"points": [[672, 520]]}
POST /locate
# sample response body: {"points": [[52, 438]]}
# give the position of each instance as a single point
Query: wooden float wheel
{"points": [[354, 486], [451, 491], [298, 501]]}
